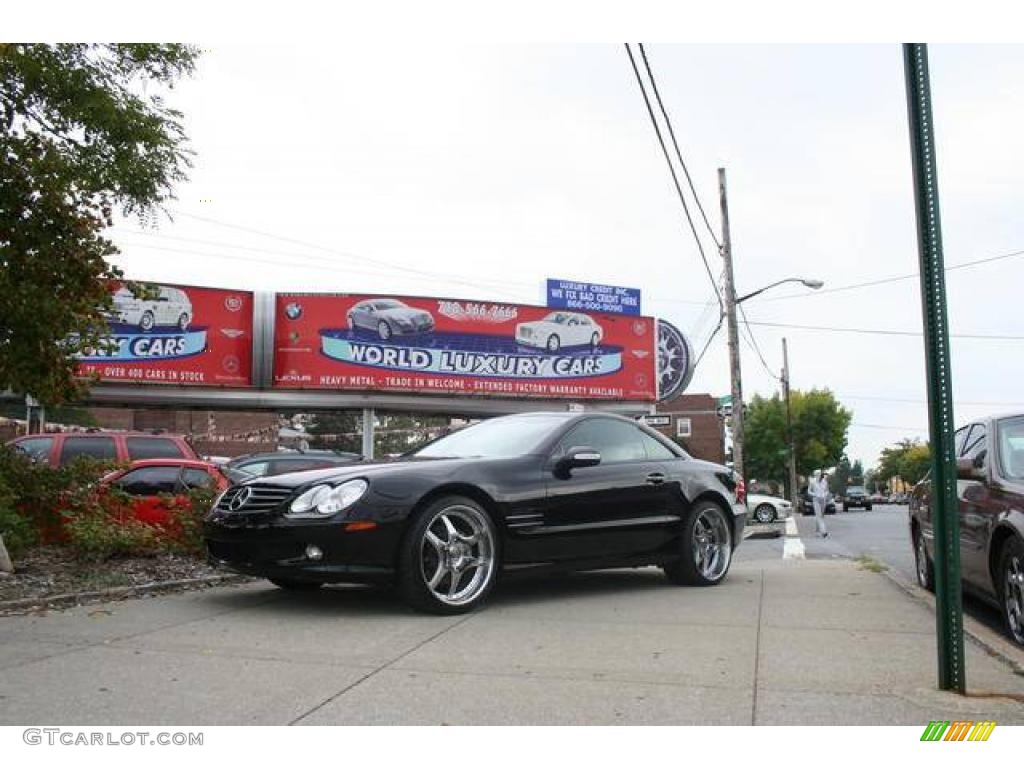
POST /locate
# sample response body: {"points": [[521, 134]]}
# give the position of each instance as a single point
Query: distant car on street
{"points": [[767, 509], [170, 307], [807, 505], [856, 496], [389, 317], [990, 490], [560, 329]]}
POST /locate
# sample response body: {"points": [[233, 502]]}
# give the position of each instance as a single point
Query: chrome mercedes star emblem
{"points": [[240, 499]]}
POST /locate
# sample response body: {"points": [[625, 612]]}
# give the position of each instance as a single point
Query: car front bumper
{"points": [[280, 549]]}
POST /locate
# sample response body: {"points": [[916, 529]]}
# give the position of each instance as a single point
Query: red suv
{"points": [[60, 448]]}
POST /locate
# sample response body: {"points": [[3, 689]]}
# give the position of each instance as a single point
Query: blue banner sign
{"points": [[158, 345], [592, 297]]}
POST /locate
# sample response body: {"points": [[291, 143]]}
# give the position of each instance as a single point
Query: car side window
{"points": [[256, 468], [616, 441], [975, 443], [197, 478], [149, 481], [656, 449], [280, 466], [99, 448], [153, 448], [36, 448]]}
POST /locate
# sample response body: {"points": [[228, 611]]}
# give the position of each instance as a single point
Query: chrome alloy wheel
{"points": [[765, 513], [1013, 596], [457, 555], [712, 544]]}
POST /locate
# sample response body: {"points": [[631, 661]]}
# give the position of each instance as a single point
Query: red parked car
{"points": [[158, 486], [59, 449]]}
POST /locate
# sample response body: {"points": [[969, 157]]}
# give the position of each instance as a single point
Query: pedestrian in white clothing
{"points": [[819, 497]]}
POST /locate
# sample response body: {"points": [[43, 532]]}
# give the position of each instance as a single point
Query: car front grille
{"points": [[261, 497]]}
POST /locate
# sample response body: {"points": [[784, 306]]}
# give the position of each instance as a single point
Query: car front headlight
{"points": [[329, 499]]}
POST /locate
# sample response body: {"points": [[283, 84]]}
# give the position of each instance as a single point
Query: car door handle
{"points": [[656, 478]]}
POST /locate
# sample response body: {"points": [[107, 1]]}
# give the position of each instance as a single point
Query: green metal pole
{"points": [[945, 505]]}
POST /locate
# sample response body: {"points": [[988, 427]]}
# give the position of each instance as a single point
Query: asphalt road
{"points": [[881, 534]]}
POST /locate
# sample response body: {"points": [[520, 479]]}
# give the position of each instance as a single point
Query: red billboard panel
{"points": [[453, 346], [177, 334]]}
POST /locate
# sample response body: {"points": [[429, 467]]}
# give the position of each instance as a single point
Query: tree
{"points": [[908, 459], [83, 130], [819, 433]]}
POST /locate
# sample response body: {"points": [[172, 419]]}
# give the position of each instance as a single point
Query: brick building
{"points": [[692, 421], [221, 433]]}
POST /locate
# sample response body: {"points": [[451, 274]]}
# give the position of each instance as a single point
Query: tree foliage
{"points": [[84, 130], [820, 423], [908, 460]]}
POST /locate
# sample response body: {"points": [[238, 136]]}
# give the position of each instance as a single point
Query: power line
{"points": [[675, 144], [752, 341], [888, 426], [896, 279], [918, 401], [675, 177], [886, 332]]}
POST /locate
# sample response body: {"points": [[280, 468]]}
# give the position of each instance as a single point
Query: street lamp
{"points": [[814, 284]]}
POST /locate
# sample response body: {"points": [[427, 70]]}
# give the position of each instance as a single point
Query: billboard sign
{"points": [[592, 297], [179, 334], [452, 346]]}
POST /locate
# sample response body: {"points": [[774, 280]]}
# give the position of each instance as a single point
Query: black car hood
{"points": [[366, 469]]}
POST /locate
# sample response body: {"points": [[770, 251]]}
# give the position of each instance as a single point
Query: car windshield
{"points": [[1011, 447], [497, 438], [855, 489], [389, 304], [557, 317]]}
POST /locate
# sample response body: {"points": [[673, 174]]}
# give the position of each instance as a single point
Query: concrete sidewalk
{"points": [[780, 642]]}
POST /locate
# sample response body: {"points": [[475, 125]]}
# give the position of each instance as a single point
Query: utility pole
{"points": [[734, 335], [790, 443]]}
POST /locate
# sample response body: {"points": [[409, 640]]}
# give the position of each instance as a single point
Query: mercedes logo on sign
{"points": [[240, 499]]}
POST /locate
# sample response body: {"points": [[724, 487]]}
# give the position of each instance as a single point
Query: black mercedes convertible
{"points": [[535, 491]]}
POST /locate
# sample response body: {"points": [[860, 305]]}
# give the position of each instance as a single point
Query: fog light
{"points": [[313, 552]]}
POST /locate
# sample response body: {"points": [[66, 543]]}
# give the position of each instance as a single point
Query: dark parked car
{"points": [[856, 496], [990, 487], [807, 505], [281, 462], [536, 491]]}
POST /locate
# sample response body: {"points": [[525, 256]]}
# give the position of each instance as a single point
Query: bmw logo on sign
{"points": [[293, 311]]}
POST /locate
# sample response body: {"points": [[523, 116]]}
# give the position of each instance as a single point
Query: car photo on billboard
{"points": [[389, 317], [170, 307], [560, 329]]}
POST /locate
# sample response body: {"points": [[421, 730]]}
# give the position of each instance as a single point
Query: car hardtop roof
{"points": [[172, 461]]}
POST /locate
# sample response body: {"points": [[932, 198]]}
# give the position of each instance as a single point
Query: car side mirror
{"points": [[971, 469], [576, 457]]}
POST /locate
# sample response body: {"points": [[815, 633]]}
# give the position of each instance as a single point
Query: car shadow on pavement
{"points": [[374, 600]]}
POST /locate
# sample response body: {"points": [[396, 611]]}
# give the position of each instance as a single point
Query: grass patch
{"points": [[868, 563]]}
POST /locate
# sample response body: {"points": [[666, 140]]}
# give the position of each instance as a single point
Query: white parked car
{"points": [[767, 509], [170, 307], [560, 329]]}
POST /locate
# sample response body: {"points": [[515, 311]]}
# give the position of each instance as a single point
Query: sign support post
{"points": [[368, 430], [948, 604]]}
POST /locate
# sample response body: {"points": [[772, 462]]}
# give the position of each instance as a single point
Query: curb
{"points": [[988, 640], [71, 599]]}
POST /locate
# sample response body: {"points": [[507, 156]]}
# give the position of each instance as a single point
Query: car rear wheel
{"points": [[183, 321], [553, 343], [707, 547], [595, 340], [383, 330], [1011, 568], [764, 513], [296, 585], [147, 321], [924, 568], [449, 559]]}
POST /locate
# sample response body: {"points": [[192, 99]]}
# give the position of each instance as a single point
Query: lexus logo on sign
{"points": [[240, 498]]}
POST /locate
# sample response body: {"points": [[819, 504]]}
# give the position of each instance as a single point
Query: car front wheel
{"points": [[707, 547], [553, 343], [183, 321], [384, 331], [147, 321], [765, 513], [449, 559], [1011, 567]]}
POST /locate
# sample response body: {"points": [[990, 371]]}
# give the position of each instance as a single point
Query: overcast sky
{"points": [[492, 168]]}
